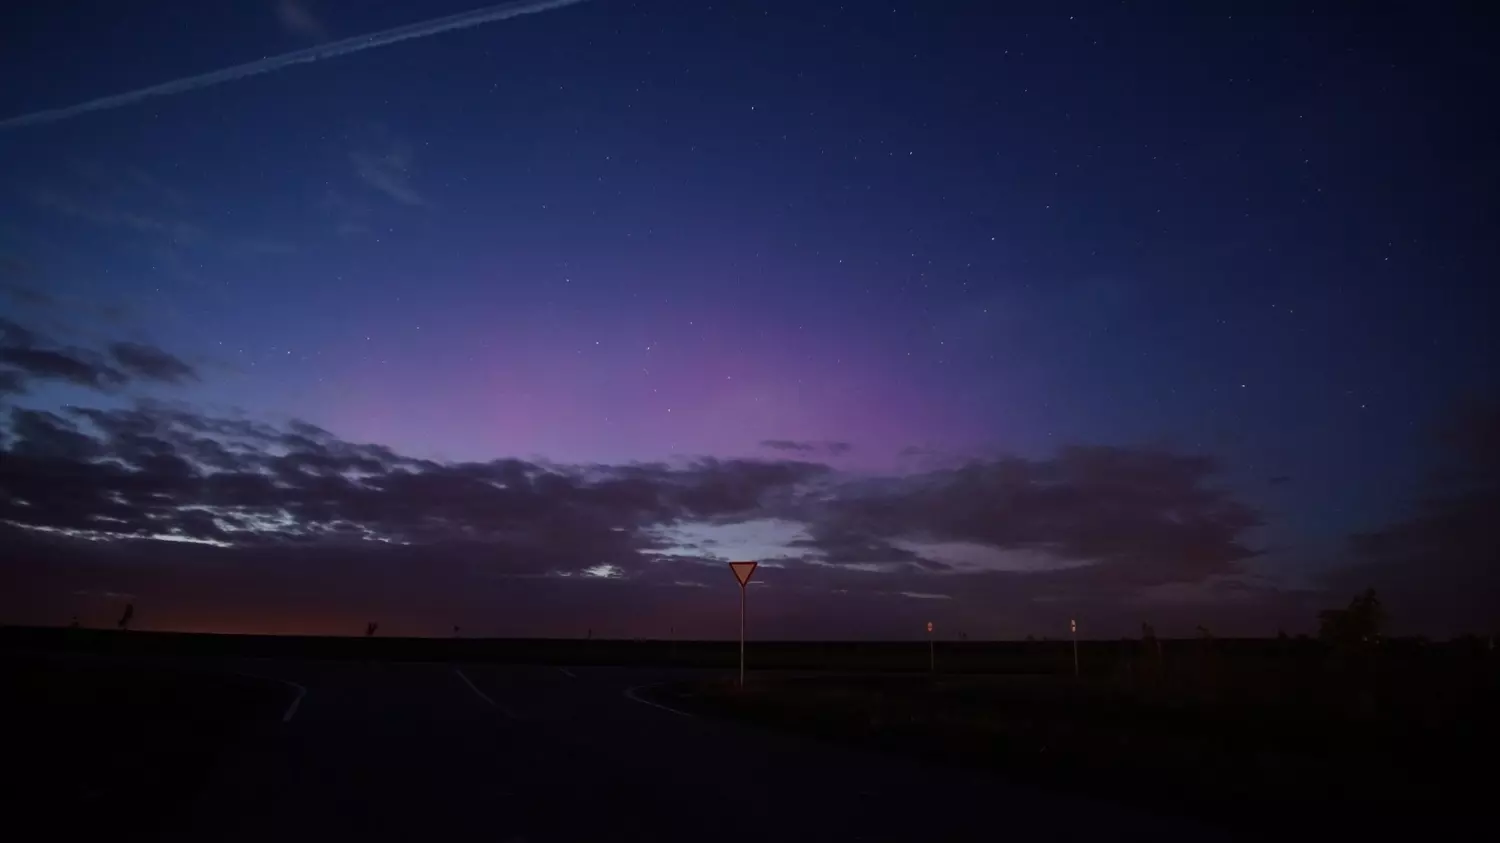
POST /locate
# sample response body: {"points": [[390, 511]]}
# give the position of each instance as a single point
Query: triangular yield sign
{"points": [[742, 571]]}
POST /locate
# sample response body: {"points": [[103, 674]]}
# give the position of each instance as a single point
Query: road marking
{"points": [[631, 695], [486, 697], [291, 710], [567, 673]]}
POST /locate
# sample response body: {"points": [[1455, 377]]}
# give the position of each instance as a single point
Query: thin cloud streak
{"points": [[462, 20]]}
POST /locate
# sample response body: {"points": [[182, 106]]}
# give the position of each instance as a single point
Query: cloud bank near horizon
{"points": [[229, 523]]}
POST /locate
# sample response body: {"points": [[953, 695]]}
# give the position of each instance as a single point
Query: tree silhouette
{"points": [[1358, 625]]}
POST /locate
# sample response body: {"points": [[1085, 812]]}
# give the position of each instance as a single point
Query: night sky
{"points": [[1103, 310]]}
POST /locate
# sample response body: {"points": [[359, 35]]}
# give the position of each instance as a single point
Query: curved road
{"points": [[536, 754]]}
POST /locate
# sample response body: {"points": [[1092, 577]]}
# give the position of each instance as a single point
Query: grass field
{"points": [[1235, 742]]}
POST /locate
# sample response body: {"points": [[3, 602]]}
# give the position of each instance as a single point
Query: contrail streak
{"points": [[462, 20]]}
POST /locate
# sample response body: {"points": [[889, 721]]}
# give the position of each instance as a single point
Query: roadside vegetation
{"points": [[1351, 727]]}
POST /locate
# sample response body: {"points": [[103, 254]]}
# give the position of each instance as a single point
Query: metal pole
{"points": [[1075, 653], [931, 655], [742, 636]]}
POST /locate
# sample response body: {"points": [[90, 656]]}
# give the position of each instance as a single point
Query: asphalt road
{"points": [[380, 751]]}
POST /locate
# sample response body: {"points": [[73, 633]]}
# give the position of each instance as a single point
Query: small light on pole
{"points": [[1073, 627], [931, 653]]}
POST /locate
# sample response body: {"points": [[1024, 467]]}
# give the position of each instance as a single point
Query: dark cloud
{"points": [[49, 436], [1108, 524], [26, 355], [71, 365], [1133, 516], [12, 383], [151, 363], [309, 431], [712, 488], [13, 335], [167, 466], [787, 445], [830, 448], [833, 545]]}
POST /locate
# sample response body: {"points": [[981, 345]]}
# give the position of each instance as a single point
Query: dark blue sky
{"points": [[625, 231]]}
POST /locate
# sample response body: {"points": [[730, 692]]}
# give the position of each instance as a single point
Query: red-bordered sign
{"points": [[743, 571]]}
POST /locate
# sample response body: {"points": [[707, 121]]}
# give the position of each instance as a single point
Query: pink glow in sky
{"points": [[627, 396]]}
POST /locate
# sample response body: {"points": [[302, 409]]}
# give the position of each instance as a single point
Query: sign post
{"points": [[931, 653], [1073, 627], [742, 572]]}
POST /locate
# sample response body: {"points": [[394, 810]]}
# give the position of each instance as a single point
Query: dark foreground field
{"points": [[96, 747], [1367, 746], [123, 732]]}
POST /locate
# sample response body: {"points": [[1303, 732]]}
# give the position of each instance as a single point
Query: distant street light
{"points": [[1073, 627]]}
